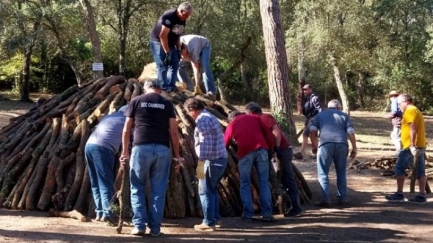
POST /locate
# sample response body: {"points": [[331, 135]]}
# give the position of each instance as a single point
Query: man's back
{"points": [[333, 125]]}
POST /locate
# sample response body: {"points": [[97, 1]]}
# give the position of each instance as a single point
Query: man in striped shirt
{"points": [[212, 161]]}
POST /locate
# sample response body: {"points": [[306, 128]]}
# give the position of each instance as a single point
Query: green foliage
{"points": [[284, 125]]}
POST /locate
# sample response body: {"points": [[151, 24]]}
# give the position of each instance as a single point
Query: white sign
{"points": [[97, 66]]}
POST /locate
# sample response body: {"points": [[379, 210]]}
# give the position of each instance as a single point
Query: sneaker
{"points": [[323, 204], [98, 218], [155, 234], [395, 197], [343, 202], [136, 231], [218, 224], [268, 218], [298, 156], [418, 199], [204, 227], [294, 213]]}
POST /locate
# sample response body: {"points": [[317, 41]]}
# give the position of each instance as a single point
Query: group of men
{"points": [[172, 52], [149, 122]]}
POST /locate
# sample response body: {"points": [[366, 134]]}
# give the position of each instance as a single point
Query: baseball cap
{"points": [[393, 93], [307, 86]]}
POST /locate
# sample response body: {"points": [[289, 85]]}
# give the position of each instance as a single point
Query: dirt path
{"points": [[367, 219]]}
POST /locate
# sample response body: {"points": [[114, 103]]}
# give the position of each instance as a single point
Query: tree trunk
{"points": [[93, 35], [341, 91], [276, 59], [360, 89], [302, 72]]}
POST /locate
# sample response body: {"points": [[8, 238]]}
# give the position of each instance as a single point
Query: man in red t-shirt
{"points": [[284, 153], [253, 139]]}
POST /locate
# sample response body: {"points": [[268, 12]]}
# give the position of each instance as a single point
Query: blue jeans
{"points": [[100, 164], [326, 154], [405, 157], [166, 73], [153, 161], [183, 75], [208, 79], [288, 178], [208, 190], [258, 158]]}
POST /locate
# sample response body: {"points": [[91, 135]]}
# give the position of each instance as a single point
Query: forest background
{"points": [[363, 48]]}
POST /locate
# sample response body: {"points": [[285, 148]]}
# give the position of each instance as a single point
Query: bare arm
{"points": [[277, 135], [126, 137], [352, 140], [196, 70], [413, 129], [314, 141], [163, 36]]}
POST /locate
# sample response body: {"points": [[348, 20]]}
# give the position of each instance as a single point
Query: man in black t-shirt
{"points": [[154, 123], [165, 44]]}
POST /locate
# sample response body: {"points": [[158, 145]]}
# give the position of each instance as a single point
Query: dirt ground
{"points": [[368, 218]]}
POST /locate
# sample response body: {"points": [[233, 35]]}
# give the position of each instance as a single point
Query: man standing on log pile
{"points": [[311, 108], [335, 127], [165, 44], [212, 161], [197, 49], [283, 151], [253, 140], [395, 116], [413, 139], [154, 123], [100, 151]]}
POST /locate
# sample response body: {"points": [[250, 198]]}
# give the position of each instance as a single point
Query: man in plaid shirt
{"points": [[212, 161]]}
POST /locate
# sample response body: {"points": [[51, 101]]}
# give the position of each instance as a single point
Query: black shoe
{"points": [[268, 219], [248, 219], [323, 204], [343, 203], [294, 213], [298, 156]]}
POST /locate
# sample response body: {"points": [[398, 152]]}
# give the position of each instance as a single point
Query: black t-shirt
{"points": [[151, 113], [170, 20]]}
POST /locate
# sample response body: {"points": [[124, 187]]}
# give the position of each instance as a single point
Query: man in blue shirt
{"points": [[101, 148], [212, 161], [335, 127]]}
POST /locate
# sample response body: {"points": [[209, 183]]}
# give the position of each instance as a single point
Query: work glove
{"points": [[414, 150], [200, 170], [278, 152], [167, 59]]}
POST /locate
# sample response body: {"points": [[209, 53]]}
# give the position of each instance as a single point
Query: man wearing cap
{"points": [[154, 123], [311, 108], [100, 150], [335, 127], [395, 116], [165, 43], [283, 151]]}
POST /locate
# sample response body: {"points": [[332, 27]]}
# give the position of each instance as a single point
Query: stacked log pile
{"points": [[42, 163]]}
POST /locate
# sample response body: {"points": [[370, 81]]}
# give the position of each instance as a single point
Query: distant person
{"points": [[253, 139], [283, 150], [197, 50], [413, 140], [311, 107], [154, 122], [395, 116], [212, 161], [100, 152], [165, 44], [335, 127]]}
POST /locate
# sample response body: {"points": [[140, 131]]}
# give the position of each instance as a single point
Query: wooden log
{"points": [[101, 108], [59, 170], [138, 90], [74, 214], [111, 81], [117, 102], [129, 89], [83, 194], [123, 196]]}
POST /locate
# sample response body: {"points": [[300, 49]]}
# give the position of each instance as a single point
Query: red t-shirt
{"points": [[270, 122], [250, 133]]}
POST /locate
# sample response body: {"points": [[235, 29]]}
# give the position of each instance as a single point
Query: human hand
{"points": [[314, 150], [123, 161], [352, 154], [414, 150], [167, 59], [278, 152], [200, 170], [178, 163]]}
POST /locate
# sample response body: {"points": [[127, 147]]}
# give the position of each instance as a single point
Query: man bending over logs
{"points": [[101, 148], [253, 139], [154, 123]]}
